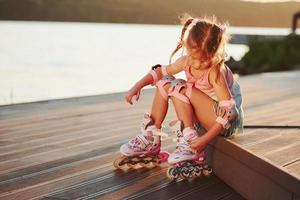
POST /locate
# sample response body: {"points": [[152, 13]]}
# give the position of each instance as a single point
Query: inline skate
{"points": [[185, 162], [144, 149]]}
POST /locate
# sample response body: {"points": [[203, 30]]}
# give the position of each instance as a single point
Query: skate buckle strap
{"points": [[154, 76], [160, 84], [164, 70], [183, 146], [223, 122], [153, 131], [146, 121], [227, 103], [230, 113], [163, 135], [139, 142], [144, 140], [189, 133], [174, 91]]}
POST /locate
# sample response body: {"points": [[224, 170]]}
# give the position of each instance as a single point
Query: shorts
{"points": [[236, 127]]}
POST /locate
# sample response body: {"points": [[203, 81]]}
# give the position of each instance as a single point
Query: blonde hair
{"points": [[209, 37]]}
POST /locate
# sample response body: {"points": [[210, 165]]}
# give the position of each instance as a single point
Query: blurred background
{"points": [[53, 49]]}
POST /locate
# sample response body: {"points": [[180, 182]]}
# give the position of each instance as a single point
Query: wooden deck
{"points": [[63, 149]]}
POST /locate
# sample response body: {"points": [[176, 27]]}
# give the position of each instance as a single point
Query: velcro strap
{"points": [[223, 122], [144, 140], [189, 133], [174, 91], [227, 103], [160, 85], [164, 70], [154, 76]]}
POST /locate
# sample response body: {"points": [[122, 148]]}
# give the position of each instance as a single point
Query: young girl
{"points": [[207, 104]]}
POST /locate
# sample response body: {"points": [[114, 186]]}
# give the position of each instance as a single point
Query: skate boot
{"points": [[143, 149], [186, 163]]}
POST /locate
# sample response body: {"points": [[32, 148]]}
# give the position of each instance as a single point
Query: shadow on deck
{"points": [[63, 149]]}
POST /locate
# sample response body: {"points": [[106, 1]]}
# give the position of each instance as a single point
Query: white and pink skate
{"points": [[186, 163], [143, 149]]}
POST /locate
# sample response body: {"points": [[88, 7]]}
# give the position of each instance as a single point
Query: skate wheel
{"points": [[118, 162], [185, 173], [143, 164], [152, 164], [197, 171], [130, 165], [163, 156], [207, 171], [171, 173], [148, 162], [146, 165]]}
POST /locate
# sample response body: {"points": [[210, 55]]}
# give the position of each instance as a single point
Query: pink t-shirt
{"points": [[203, 84]]}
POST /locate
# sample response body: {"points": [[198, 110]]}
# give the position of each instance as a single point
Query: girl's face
{"points": [[191, 48], [190, 45]]}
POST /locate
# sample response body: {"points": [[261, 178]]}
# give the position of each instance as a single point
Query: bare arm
{"points": [[148, 79]]}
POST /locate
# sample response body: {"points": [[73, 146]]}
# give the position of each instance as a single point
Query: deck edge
{"points": [[229, 151]]}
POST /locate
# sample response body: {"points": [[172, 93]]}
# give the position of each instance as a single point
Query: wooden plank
{"points": [[118, 181], [148, 182], [251, 184], [211, 188], [27, 109], [70, 118], [294, 168], [255, 136], [60, 145], [268, 115], [36, 191], [285, 156], [15, 183], [260, 164], [67, 178], [285, 138], [101, 121], [68, 137], [63, 113], [47, 133]]}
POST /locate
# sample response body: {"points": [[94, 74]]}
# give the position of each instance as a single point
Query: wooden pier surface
{"points": [[64, 149]]}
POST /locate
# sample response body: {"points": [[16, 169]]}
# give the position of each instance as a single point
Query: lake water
{"points": [[52, 60]]}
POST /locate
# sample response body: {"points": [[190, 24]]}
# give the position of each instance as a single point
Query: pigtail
{"points": [[218, 66], [219, 58], [218, 36], [180, 43], [215, 38]]}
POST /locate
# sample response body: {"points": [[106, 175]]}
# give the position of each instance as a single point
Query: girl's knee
{"points": [[178, 90], [163, 85], [167, 86]]}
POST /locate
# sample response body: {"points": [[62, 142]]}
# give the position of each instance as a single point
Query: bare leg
{"points": [[184, 111], [204, 108], [159, 108], [201, 109]]}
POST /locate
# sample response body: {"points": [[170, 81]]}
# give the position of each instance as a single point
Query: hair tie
{"points": [[195, 21], [223, 28], [190, 26]]}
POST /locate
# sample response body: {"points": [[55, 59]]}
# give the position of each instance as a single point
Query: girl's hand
{"points": [[133, 91], [198, 144]]}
